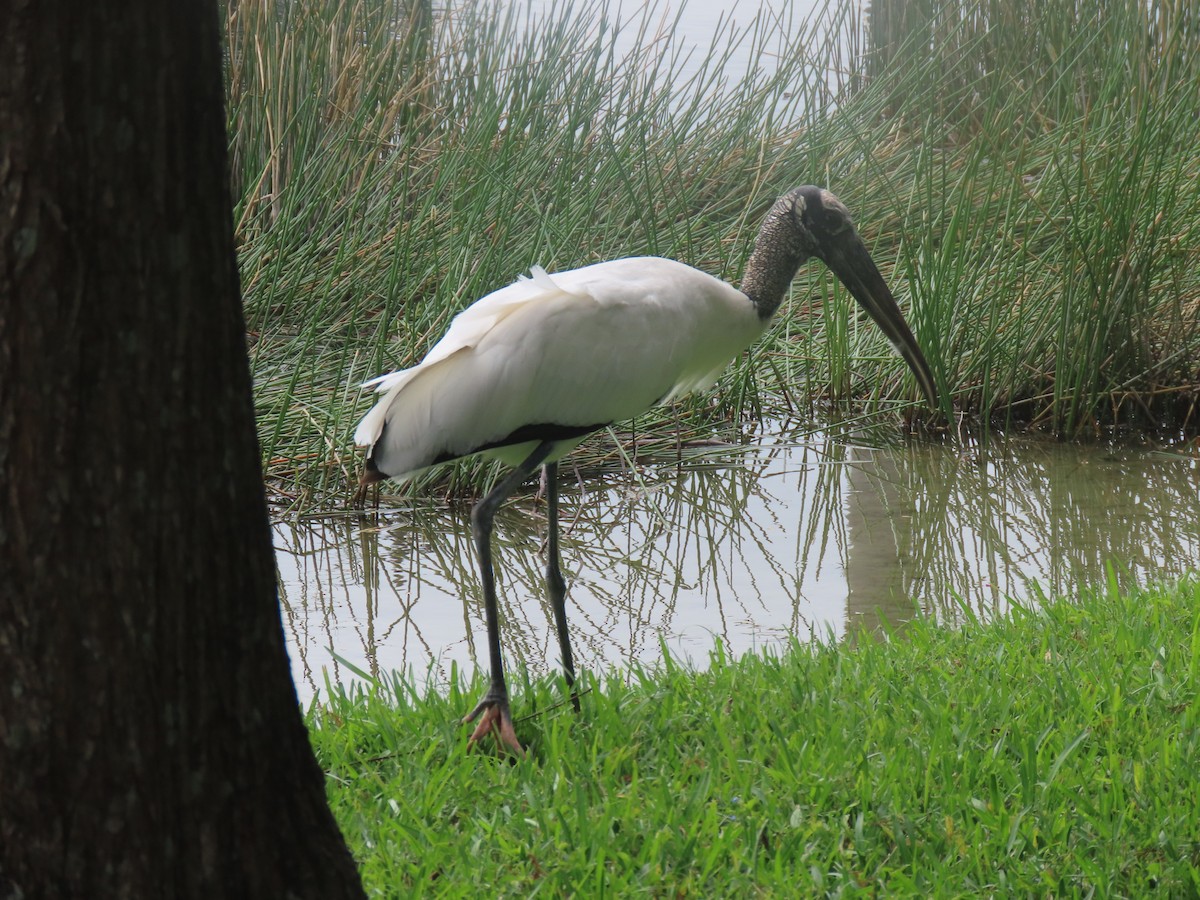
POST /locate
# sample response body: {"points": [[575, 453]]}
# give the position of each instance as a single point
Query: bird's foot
{"points": [[495, 719], [370, 476]]}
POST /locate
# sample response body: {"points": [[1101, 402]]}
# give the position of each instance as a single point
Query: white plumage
{"points": [[583, 349]]}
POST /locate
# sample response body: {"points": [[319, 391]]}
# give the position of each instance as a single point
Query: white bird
{"points": [[525, 373]]}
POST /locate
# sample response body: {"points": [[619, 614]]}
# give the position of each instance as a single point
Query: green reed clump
{"points": [[1047, 233], [523, 141], [1049, 752], [1031, 198]]}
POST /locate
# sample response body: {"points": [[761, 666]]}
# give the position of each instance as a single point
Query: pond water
{"points": [[704, 47], [802, 538]]}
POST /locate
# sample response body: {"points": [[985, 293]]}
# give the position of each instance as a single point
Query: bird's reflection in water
{"points": [[752, 548]]}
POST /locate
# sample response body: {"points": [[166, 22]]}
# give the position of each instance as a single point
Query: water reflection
{"points": [[798, 539]]}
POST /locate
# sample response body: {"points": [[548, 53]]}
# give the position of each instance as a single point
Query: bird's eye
{"points": [[837, 217]]}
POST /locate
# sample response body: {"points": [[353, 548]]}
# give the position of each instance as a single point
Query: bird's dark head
{"points": [[810, 221], [805, 222], [820, 220]]}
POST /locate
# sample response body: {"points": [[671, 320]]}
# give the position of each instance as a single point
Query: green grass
{"points": [[1025, 174], [1051, 753]]}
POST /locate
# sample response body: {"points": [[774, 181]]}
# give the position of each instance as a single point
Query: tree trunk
{"points": [[150, 740]]}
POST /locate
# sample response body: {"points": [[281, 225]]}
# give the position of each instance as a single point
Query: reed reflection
{"points": [[752, 547]]}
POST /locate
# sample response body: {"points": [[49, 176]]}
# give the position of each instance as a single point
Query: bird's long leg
{"points": [[494, 705], [556, 587]]}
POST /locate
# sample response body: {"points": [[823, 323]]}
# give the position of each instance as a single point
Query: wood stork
{"points": [[525, 373]]}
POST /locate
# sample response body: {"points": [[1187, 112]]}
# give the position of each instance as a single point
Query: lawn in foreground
{"points": [[1054, 751]]}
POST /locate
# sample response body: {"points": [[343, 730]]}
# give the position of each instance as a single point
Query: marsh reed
{"points": [[1026, 175]]}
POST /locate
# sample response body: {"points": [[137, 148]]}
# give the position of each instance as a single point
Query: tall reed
{"points": [[1032, 200]]}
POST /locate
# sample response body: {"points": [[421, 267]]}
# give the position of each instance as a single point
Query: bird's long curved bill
{"points": [[853, 265]]}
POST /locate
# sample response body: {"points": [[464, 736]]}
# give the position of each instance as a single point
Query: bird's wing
{"points": [[467, 329], [470, 325], [559, 354], [473, 323]]}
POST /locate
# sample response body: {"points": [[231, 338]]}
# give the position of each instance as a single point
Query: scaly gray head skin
{"points": [[810, 221]]}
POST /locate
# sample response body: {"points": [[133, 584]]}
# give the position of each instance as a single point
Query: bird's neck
{"points": [[772, 264]]}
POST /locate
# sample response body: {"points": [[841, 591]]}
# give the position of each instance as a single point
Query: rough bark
{"points": [[150, 739]]}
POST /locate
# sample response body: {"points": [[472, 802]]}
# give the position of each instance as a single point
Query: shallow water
{"points": [[805, 538]]}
